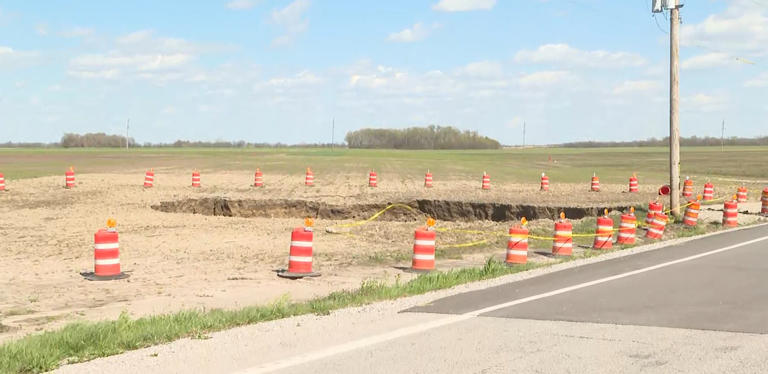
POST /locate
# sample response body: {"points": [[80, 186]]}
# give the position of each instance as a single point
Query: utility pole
{"points": [[333, 131], [674, 110], [523, 134], [722, 137], [127, 126]]}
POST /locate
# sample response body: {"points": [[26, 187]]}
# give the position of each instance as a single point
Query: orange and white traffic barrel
{"points": [[309, 179], [688, 187], [709, 191], [428, 180], [604, 232], [106, 254], [149, 178], [691, 217], [654, 207], [627, 228], [634, 185], [562, 244], [486, 181], [69, 178], [741, 194], [517, 245], [424, 239], [195, 178], [595, 186], [658, 224], [764, 199], [300, 255], [544, 182], [258, 178], [2, 182], [373, 179], [731, 213]]}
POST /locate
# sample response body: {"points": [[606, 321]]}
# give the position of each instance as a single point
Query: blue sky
{"points": [[279, 71]]}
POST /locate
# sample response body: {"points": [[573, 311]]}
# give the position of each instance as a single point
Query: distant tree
{"points": [[430, 137]]}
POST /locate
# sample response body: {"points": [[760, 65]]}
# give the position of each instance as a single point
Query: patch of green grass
{"points": [[83, 341]]}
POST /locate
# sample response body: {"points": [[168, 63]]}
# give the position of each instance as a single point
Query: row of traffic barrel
{"points": [[373, 181], [107, 255]]}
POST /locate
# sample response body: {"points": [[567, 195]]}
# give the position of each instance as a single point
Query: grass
{"points": [[83, 341], [571, 165]]}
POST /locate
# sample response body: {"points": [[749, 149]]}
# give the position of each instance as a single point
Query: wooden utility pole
{"points": [[674, 118]]}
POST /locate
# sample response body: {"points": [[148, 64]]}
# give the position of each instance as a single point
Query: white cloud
{"points": [[545, 78], [291, 19], [241, 4], [565, 55], [483, 69], [13, 57], [709, 60], [703, 103], [761, 80], [76, 32], [412, 34], [302, 78], [463, 5], [636, 86], [742, 28]]}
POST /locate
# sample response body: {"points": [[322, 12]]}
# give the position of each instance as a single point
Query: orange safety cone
{"points": [[563, 241], [149, 178], [300, 256], [634, 185], [309, 180], [69, 178], [627, 228], [654, 207], [486, 181], [764, 200], [424, 239], [691, 217], [604, 232], [106, 255], [741, 194], [544, 182], [709, 191], [2, 182], [195, 178], [258, 178], [656, 230], [688, 187], [372, 179], [428, 179], [517, 245], [731, 212], [595, 186]]}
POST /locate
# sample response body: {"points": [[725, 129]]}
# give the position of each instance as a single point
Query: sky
{"points": [[283, 71]]}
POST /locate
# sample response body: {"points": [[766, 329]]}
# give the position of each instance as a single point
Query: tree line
{"points": [[430, 137], [693, 141]]}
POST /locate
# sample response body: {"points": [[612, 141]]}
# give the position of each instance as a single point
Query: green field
{"points": [[613, 165]]}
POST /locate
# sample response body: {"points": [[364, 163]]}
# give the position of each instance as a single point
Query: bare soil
{"points": [[219, 246]]}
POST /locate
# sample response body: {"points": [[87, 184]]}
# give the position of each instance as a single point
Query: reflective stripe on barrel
{"points": [[691, 217], [372, 179], [730, 213], [627, 229], [741, 194], [106, 253], [2, 182], [688, 188], [604, 233], [149, 179], [300, 255], [258, 179], [517, 245], [486, 182], [309, 180], [654, 207], [428, 180], [563, 243], [709, 191], [196, 179], [544, 183], [656, 230], [69, 177], [424, 249], [595, 187], [634, 186]]}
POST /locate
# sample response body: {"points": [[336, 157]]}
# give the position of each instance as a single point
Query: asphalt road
{"points": [[700, 306]]}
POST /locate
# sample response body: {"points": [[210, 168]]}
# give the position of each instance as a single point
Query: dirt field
{"points": [[183, 260]]}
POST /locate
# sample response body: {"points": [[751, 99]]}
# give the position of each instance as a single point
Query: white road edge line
{"points": [[410, 330]]}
